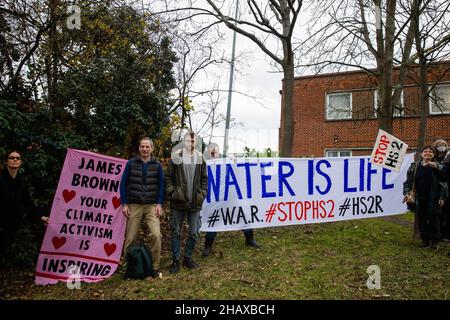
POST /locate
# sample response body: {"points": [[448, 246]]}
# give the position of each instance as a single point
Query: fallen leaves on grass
{"points": [[243, 280]]}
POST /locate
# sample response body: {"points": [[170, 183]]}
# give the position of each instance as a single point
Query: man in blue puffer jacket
{"points": [[141, 195]]}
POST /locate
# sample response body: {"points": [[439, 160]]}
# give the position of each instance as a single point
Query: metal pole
{"points": [[230, 87]]}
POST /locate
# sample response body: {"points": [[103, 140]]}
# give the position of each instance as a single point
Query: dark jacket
{"points": [[177, 185], [443, 171], [142, 183], [446, 165], [16, 204], [437, 191]]}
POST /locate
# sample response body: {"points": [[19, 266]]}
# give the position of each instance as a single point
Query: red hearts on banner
{"points": [[109, 248], [68, 195], [58, 242], [116, 202]]}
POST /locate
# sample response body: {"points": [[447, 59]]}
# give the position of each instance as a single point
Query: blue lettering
{"points": [[282, 178], [370, 172], [361, 174], [230, 179], [310, 177], [346, 188], [384, 185], [265, 178], [213, 184], [248, 178], [323, 174]]}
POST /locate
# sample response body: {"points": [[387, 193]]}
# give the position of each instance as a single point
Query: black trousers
{"points": [[5, 243], [445, 220], [428, 214]]}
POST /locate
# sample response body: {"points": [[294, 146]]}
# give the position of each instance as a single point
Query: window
{"points": [[339, 106], [398, 109], [440, 99], [338, 153]]}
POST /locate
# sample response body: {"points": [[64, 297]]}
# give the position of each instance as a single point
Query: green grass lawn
{"points": [[322, 261]]}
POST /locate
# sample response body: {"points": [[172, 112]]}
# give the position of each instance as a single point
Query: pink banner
{"points": [[85, 236]]}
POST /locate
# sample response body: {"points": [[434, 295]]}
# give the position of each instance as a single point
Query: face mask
{"points": [[441, 149]]}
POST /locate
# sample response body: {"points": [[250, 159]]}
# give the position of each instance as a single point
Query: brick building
{"points": [[335, 113]]}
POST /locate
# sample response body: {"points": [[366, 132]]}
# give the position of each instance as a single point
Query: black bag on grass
{"points": [[139, 262]]}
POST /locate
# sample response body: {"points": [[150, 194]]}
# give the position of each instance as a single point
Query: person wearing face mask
{"points": [[440, 148], [443, 172], [16, 201], [212, 152], [430, 196], [446, 165]]}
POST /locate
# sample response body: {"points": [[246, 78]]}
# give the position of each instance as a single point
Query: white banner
{"points": [[388, 151], [273, 192]]}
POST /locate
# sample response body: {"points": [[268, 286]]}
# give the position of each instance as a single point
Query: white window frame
{"points": [[432, 99], [338, 151], [375, 104], [349, 116]]}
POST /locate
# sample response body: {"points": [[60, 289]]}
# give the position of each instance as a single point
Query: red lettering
{"points": [[377, 159], [384, 139], [330, 214], [322, 204], [302, 213], [307, 207], [381, 150], [280, 210], [316, 209], [290, 203]]}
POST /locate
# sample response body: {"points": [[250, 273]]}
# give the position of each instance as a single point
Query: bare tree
{"points": [[23, 30], [200, 48], [270, 25], [345, 37], [374, 36], [194, 58], [273, 20], [198, 51], [212, 117], [431, 39]]}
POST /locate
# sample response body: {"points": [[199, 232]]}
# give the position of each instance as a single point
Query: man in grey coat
{"points": [[187, 184]]}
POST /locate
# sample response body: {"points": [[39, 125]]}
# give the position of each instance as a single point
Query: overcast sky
{"points": [[256, 122], [256, 112], [255, 125]]}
